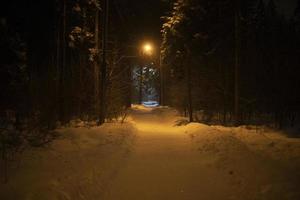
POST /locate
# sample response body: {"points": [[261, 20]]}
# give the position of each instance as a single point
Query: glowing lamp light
{"points": [[147, 49]]}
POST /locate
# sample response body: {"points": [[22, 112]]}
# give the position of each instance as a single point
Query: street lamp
{"points": [[147, 49]]}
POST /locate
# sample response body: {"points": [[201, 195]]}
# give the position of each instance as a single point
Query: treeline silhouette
{"points": [[51, 64], [232, 62]]}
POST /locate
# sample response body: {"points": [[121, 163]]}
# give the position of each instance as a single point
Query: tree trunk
{"points": [[5, 163], [58, 69], [96, 64], [237, 63], [162, 86], [63, 67], [141, 85], [189, 85], [102, 113]]}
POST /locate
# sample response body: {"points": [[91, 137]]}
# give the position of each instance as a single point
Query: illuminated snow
{"points": [[150, 158]]}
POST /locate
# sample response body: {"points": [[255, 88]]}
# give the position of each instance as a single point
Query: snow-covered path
{"points": [[149, 158], [165, 164]]}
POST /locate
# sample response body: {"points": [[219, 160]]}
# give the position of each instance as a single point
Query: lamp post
{"points": [[161, 95], [148, 49]]}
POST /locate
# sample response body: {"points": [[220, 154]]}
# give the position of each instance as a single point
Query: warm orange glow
{"points": [[147, 49]]}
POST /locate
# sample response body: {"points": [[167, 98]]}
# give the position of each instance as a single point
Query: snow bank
{"points": [[168, 158], [262, 164], [78, 165]]}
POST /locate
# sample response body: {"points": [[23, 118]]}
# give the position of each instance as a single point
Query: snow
{"points": [[78, 165], [261, 165], [155, 155], [150, 103], [197, 161]]}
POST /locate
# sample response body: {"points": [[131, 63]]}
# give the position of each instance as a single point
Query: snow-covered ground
{"points": [[258, 163], [77, 165], [150, 157], [150, 103]]}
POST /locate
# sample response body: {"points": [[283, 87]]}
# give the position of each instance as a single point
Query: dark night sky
{"points": [[144, 15], [286, 6]]}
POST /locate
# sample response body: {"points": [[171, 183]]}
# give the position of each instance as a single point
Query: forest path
{"points": [[149, 158], [163, 164]]}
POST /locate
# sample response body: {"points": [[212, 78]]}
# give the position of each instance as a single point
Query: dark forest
{"points": [[229, 63]]}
